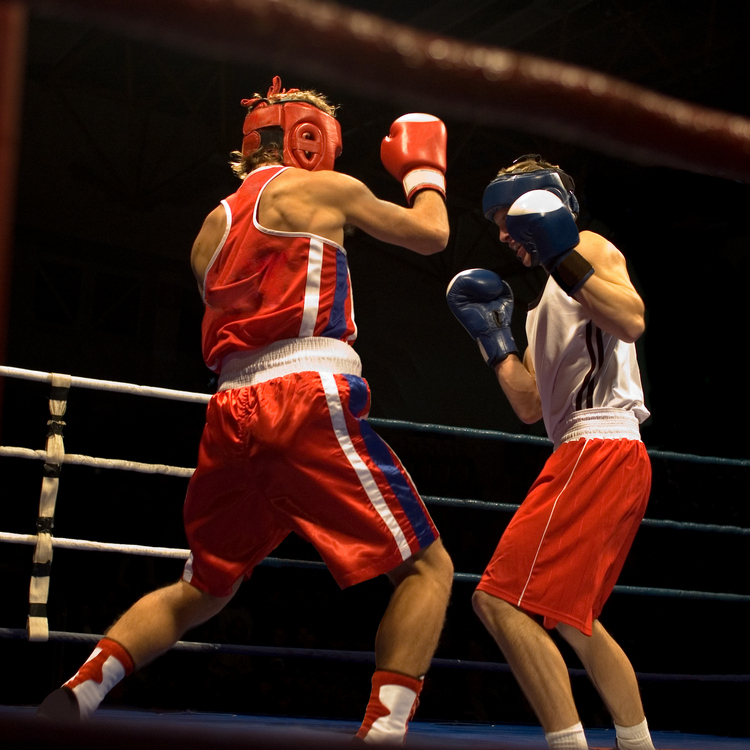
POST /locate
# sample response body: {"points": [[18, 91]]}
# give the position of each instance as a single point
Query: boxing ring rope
{"points": [[44, 542], [392, 61], [274, 562], [355, 657]]}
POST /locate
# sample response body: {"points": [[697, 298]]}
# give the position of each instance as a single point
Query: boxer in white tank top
{"points": [[562, 552], [583, 367]]}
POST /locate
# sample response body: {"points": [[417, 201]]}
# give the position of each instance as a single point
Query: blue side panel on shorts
{"points": [[357, 394], [380, 453]]}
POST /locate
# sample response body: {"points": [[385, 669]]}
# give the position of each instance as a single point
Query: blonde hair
{"points": [[293, 95]]}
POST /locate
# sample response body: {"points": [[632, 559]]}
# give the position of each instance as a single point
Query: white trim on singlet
{"points": [[316, 250], [279, 232], [366, 479], [312, 288], [228, 212]]}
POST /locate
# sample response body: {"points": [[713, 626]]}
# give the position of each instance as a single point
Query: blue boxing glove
{"points": [[542, 223], [546, 228], [483, 304]]}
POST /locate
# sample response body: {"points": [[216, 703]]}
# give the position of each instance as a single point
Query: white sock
{"points": [[571, 738], [634, 738]]}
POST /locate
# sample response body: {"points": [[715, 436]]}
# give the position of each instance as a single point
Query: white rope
{"points": [[100, 463], [108, 385], [82, 544]]}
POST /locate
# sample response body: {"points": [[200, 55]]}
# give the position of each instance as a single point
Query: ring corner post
{"points": [[13, 27]]}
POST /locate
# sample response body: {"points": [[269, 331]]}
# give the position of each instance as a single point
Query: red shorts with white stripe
{"points": [[295, 453], [564, 548]]}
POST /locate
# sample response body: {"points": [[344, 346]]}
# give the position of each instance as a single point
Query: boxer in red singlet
{"points": [[287, 446]]}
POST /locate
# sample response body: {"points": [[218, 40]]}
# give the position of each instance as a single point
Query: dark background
{"points": [[124, 151]]}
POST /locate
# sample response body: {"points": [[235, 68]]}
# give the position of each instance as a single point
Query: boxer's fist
{"points": [[414, 152], [542, 223], [483, 304]]}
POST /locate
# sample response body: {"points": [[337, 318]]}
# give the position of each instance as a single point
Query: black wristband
{"points": [[573, 272]]}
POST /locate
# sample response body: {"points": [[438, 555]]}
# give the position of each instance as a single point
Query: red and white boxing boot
{"points": [[81, 695], [393, 701]]}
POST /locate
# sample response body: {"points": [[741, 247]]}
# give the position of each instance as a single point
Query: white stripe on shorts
{"points": [[365, 476]]}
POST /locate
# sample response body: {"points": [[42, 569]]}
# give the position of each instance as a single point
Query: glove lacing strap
{"points": [[421, 179], [573, 272]]}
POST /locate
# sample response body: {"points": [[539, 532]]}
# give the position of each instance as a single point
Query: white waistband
{"points": [[599, 423], [313, 354]]}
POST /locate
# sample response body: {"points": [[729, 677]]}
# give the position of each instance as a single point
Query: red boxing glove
{"points": [[414, 153]]}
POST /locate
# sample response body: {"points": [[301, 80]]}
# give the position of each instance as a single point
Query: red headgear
{"points": [[312, 138]]}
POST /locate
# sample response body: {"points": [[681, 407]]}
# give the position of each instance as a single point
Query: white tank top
{"points": [[579, 366]]}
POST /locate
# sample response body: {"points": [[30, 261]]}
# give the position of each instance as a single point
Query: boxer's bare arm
{"points": [[324, 202], [608, 296], [518, 381], [206, 242]]}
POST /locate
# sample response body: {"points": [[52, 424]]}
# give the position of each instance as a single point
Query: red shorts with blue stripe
{"points": [[296, 453], [564, 548]]}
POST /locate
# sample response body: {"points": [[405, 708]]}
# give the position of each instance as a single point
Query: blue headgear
{"points": [[505, 189]]}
